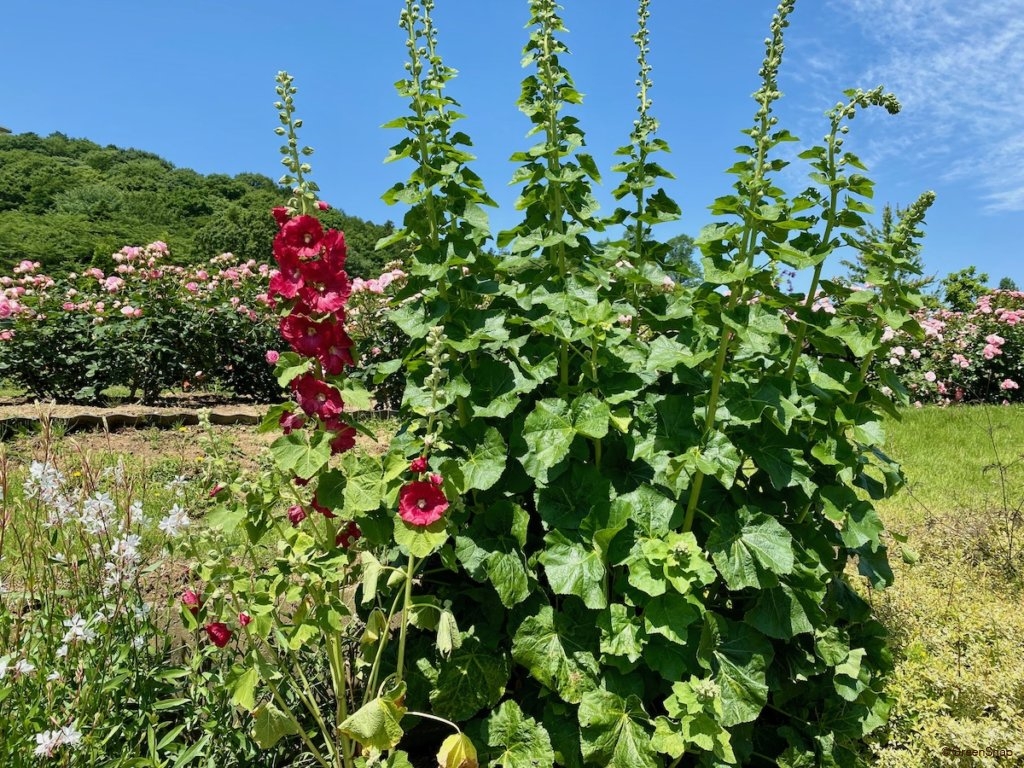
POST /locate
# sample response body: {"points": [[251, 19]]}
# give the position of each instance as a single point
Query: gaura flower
{"points": [[421, 503], [219, 633]]}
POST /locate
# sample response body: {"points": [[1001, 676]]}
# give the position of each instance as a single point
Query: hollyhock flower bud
{"points": [[216, 490], [322, 205], [421, 503], [273, 356], [296, 514], [244, 619], [191, 601], [419, 464], [219, 633], [348, 536], [437, 479]]}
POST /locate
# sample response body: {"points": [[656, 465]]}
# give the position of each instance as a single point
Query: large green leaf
{"points": [[558, 651], [614, 732], [779, 612], [574, 568], [650, 510], [740, 656], [474, 678], [376, 724], [750, 550], [621, 632], [590, 416], [548, 432], [271, 725], [485, 463], [523, 743], [302, 454]]}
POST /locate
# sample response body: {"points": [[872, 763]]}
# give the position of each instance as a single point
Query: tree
{"points": [[679, 262], [1007, 284], [962, 289]]}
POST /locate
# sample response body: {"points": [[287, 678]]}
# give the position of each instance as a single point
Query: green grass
{"points": [[948, 456]]}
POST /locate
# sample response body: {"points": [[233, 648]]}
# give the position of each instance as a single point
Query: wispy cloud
{"points": [[958, 68]]}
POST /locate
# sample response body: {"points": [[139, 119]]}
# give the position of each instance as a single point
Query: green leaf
{"points": [[740, 656], [363, 477], [590, 416], [474, 678], [302, 454], [243, 692], [574, 568], [556, 649], [650, 510], [420, 541], [523, 742], [271, 725], [750, 550], [548, 432], [483, 467], [376, 724], [671, 615], [778, 612], [621, 632], [614, 732]]}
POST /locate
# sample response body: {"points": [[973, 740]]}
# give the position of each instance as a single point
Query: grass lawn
{"points": [[954, 612]]}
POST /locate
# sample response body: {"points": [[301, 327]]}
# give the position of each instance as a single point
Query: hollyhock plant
{"points": [[421, 503]]}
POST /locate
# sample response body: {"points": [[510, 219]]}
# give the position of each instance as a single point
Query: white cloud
{"points": [[958, 69]]}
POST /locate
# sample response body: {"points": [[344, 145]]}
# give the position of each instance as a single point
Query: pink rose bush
{"points": [[975, 356]]}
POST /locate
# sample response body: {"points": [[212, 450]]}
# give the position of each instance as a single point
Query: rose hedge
{"points": [[151, 326]]}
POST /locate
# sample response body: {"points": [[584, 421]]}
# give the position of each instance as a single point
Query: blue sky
{"points": [[194, 82]]}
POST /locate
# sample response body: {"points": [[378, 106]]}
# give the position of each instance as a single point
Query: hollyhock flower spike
{"points": [[421, 503]]}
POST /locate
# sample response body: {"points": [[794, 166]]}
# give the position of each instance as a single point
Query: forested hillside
{"points": [[70, 203]]}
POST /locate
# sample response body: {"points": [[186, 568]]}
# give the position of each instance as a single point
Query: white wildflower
{"points": [[175, 522], [78, 629], [177, 485], [24, 668]]}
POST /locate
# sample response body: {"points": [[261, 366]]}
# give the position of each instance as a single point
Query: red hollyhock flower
{"points": [[286, 281], [317, 300], [316, 397], [291, 420], [300, 236], [191, 601], [244, 619], [307, 336], [343, 440], [348, 536], [421, 503], [419, 464], [337, 355], [321, 508], [281, 215], [219, 633], [296, 514]]}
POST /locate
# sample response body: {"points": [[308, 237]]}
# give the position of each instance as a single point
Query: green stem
{"points": [[410, 570]]}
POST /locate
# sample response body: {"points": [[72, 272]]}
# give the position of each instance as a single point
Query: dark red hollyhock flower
{"points": [[419, 464], [343, 440], [244, 619], [291, 420], [281, 215], [296, 514], [219, 633], [321, 508], [348, 536], [307, 336], [301, 236], [316, 397], [421, 503], [191, 601], [326, 267], [339, 354]]}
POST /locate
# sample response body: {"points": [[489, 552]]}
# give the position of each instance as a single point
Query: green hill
{"points": [[70, 203]]}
